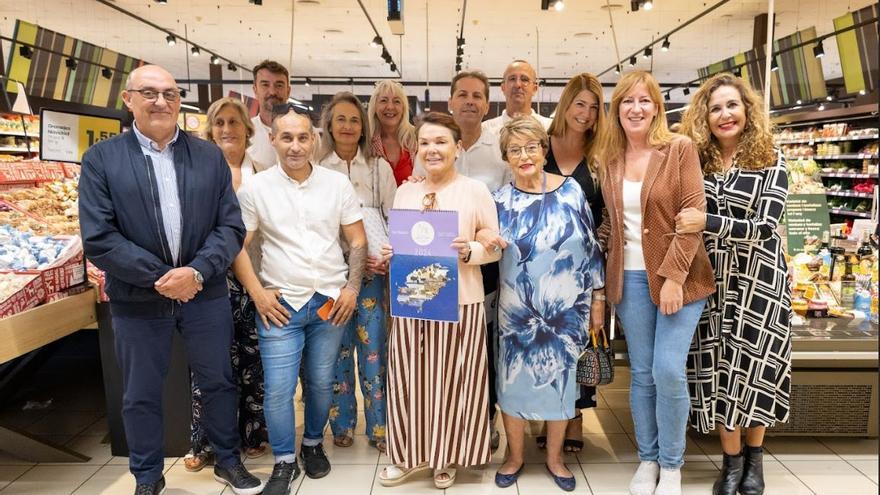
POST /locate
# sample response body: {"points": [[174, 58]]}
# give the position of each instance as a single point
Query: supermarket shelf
{"points": [[14, 149], [848, 156], [847, 175], [848, 213], [849, 194], [827, 139], [18, 134]]}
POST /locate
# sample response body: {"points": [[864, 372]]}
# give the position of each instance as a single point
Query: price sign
{"points": [[65, 136], [806, 216]]}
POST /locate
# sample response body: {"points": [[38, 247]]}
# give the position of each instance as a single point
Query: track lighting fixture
{"points": [[819, 50], [161, 2], [182, 93], [457, 67], [308, 82], [26, 51], [256, 2], [799, 102], [195, 51], [377, 42], [648, 5], [737, 71], [634, 5], [459, 51], [215, 60], [666, 97], [386, 56], [70, 64], [648, 52], [393, 67], [231, 66], [665, 46], [686, 91], [171, 40], [461, 42], [558, 5], [107, 73], [773, 65], [617, 69], [632, 61]]}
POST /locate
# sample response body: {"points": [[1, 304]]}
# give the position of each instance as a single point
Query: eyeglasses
{"points": [[531, 149], [153, 95], [285, 108], [429, 202]]}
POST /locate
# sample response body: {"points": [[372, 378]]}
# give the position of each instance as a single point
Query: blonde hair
{"points": [[754, 150], [613, 143], [328, 144], [523, 126], [578, 83], [406, 132], [219, 105]]}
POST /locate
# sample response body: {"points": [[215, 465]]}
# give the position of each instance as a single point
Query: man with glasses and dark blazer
{"points": [[158, 214]]}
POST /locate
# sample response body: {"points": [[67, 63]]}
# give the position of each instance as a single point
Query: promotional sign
{"points": [[65, 136], [806, 218], [424, 268]]}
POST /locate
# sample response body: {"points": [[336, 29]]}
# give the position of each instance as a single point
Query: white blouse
{"points": [[633, 257]]}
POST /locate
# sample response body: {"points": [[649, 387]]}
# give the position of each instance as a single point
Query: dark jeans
{"points": [[143, 349], [490, 288]]}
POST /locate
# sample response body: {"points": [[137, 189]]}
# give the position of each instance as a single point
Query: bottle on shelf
{"points": [[824, 254], [847, 287], [837, 256]]}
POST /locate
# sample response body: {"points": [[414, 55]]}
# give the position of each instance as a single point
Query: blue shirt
{"points": [[166, 180]]}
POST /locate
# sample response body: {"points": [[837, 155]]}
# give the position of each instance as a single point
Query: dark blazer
{"points": [[122, 229], [673, 181]]}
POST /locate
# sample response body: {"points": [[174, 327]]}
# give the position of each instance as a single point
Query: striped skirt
{"points": [[438, 391]]}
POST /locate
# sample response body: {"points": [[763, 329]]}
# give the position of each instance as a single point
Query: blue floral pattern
{"points": [[548, 273]]}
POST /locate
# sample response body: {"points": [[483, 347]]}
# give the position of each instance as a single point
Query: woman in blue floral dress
{"points": [[551, 279]]}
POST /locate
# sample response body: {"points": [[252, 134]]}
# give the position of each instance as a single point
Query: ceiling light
{"points": [[457, 67], [308, 82], [458, 60], [232, 67], [386, 56], [799, 102], [256, 2], [819, 50], [648, 5], [559, 5], [829, 98], [665, 46], [161, 2], [632, 61], [171, 40], [862, 92], [215, 60], [459, 51], [107, 73], [737, 71], [195, 51], [377, 42], [70, 64], [393, 67], [648, 52], [686, 91], [821, 106], [667, 97], [25, 51], [461, 42], [617, 69], [634, 5], [183, 93], [774, 66]]}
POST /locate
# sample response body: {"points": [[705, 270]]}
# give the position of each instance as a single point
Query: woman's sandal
{"points": [[380, 445], [196, 462], [394, 476], [343, 441], [571, 445], [444, 483]]}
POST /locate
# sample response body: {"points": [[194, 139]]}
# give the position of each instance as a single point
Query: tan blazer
{"points": [[673, 181]]}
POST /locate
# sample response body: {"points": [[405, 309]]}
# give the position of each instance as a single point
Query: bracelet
{"points": [[467, 257]]}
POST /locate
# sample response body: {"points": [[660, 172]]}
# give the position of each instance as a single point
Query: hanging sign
{"points": [[806, 219], [65, 136]]}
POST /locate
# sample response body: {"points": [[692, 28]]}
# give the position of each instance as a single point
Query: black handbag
{"points": [[595, 365]]}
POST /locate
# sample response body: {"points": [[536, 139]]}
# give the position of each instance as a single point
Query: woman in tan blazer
{"points": [[657, 279]]}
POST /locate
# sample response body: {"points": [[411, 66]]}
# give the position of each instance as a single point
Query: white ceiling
{"points": [[331, 37]]}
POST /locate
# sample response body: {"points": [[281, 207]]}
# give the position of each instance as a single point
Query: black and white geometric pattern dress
{"points": [[739, 365]]}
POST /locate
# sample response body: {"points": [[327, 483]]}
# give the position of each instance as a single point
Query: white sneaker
{"points": [[644, 482], [670, 482]]}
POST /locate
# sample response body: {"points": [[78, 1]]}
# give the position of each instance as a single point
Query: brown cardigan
{"points": [[673, 181]]}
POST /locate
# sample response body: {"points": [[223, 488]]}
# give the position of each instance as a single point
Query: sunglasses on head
{"points": [[285, 108]]}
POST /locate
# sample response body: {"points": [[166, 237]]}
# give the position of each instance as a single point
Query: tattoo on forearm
{"points": [[357, 260]]}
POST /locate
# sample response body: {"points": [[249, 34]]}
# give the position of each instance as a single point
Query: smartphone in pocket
{"points": [[324, 311]]}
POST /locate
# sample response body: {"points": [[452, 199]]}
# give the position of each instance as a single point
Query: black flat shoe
{"points": [[567, 484]]}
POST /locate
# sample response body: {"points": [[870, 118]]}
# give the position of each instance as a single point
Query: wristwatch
{"points": [[198, 276]]}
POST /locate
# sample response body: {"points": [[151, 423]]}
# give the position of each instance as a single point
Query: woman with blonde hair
{"points": [[574, 133], [745, 330], [345, 150], [657, 279], [229, 127], [392, 136]]}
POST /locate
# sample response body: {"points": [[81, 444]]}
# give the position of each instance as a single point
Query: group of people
{"points": [[265, 247]]}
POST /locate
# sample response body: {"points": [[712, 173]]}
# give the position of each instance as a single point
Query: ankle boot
{"points": [[731, 475], [753, 472]]}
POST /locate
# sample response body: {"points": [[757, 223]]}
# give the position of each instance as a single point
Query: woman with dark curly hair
{"points": [[739, 367]]}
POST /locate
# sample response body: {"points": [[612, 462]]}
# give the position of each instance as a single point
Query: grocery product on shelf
{"points": [[55, 202], [24, 251]]}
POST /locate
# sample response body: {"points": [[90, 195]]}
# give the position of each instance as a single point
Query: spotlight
{"points": [[819, 50], [183, 93], [393, 67], [632, 61], [107, 73], [25, 51], [195, 51], [665, 46], [171, 40], [799, 101], [686, 91], [458, 60], [460, 51], [386, 56], [862, 92], [377, 42], [648, 5], [617, 69], [231, 67], [461, 42], [559, 5], [162, 2], [737, 71], [829, 98], [821, 106], [648, 52], [774, 66], [215, 60], [457, 67], [70, 64], [634, 5], [308, 82], [256, 2], [667, 97]]}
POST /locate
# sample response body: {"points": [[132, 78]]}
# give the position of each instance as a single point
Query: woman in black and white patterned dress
{"points": [[739, 366]]}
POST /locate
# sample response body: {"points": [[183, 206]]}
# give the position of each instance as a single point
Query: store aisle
{"points": [[75, 418]]}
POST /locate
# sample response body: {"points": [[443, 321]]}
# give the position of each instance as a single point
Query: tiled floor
{"points": [[75, 418]]}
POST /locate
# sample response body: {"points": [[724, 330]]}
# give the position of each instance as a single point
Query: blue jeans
{"points": [[658, 347], [309, 340], [366, 332]]}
